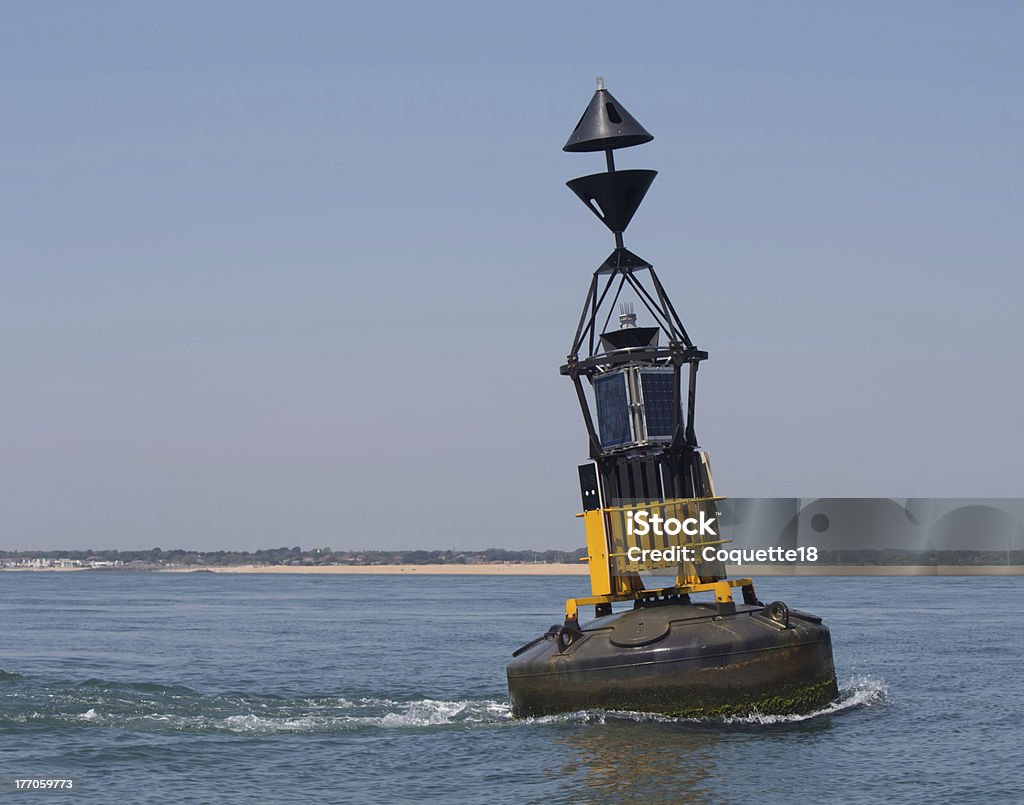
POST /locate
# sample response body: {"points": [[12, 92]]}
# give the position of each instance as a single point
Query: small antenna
{"points": [[627, 318], [600, 83]]}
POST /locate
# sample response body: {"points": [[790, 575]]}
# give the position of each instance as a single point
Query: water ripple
{"points": [[153, 707]]}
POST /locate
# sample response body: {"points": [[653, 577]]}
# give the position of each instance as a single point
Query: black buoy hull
{"points": [[685, 660]]}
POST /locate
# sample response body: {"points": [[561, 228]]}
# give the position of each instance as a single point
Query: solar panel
{"points": [[612, 409], [658, 389]]}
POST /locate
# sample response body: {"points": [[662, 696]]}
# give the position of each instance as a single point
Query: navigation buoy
{"points": [[671, 653]]}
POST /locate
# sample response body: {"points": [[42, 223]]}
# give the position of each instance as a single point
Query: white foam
{"points": [[858, 692], [254, 723], [333, 714], [412, 714]]}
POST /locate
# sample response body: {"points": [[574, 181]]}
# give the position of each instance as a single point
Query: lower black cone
{"points": [[614, 197]]}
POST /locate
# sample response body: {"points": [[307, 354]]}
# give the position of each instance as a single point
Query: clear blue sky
{"points": [[302, 273]]}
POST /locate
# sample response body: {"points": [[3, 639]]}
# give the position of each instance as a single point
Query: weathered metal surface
{"points": [[680, 660]]}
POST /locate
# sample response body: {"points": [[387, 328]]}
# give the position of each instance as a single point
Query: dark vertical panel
{"points": [[645, 493], [652, 480], [631, 473], [691, 404], [623, 478], [589, 487]]}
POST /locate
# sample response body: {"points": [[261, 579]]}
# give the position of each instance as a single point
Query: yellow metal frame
{"points": [[613, 577], [722, 589]]}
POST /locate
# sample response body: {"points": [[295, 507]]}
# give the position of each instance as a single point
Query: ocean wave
{"points": [[141, 687], [863, 691], [410, 714], [150, 707]]}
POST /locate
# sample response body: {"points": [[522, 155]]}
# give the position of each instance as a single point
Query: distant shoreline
{"points": [[502, 569], [482, 569], [580, 569]]}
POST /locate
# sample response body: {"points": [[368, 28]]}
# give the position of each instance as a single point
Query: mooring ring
{"points": [[779, 612]]}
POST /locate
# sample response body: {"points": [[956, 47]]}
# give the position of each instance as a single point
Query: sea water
{"points": [[202, 687]]}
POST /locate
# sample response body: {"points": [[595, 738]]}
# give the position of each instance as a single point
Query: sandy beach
{"points": [[419, 570], [581, 570]]}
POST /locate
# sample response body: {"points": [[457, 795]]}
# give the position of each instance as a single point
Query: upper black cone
{"points": [[606, 124]]}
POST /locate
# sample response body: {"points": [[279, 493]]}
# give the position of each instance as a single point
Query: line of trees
{"points": [[298, 556], [155, 557]]}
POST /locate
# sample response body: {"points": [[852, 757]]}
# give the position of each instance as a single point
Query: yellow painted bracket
{"points": [[722, 590], [613, 577]]}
